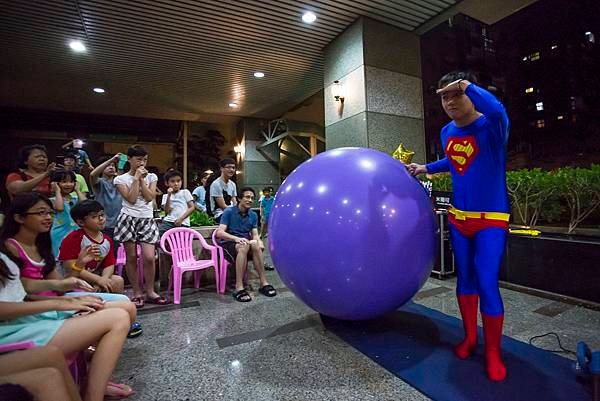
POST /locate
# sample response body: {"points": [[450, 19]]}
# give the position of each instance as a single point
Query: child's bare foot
{"points": [[116, 391]]}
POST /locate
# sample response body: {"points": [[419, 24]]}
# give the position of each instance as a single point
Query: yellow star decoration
{"points": [[402, 154]]}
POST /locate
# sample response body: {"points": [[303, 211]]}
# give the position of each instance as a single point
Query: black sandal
{"points": [[242, 296], [267, 290]]}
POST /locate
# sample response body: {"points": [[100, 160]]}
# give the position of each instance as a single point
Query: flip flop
{"points": [[157, 301], [116, 391], [242, 296], [267, 290], [138, 302]]}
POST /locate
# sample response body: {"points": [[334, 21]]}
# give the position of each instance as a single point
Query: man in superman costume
{"points": [[475, 147]]}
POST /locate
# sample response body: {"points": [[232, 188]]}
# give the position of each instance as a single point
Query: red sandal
{"points": [[138, 302], [157, 301]]}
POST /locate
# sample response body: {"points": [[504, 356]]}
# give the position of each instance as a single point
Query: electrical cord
{"points": [[562, 349]]}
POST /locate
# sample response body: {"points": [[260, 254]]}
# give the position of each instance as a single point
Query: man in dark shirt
{"points": [[238, 231]]}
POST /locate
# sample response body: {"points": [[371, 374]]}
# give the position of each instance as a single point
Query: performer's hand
{"points": [[416, 169], [458, 85]]}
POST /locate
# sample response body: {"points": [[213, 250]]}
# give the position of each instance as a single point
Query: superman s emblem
{"points": [[461, 152]]}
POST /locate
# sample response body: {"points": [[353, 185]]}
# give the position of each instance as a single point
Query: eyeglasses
{"points": [[41, 213], [250, 197], [229, 167]]}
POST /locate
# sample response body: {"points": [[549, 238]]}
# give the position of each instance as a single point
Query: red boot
{"points": [[468, 310], [492, 331]]}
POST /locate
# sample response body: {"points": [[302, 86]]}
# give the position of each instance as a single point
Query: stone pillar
{"points": [[379, 68]]}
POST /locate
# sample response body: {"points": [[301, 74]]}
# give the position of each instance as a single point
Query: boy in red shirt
{"points": [[98, 264]]}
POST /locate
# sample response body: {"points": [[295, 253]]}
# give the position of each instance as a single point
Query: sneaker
{"points": [[135, 330], [269, 267]]}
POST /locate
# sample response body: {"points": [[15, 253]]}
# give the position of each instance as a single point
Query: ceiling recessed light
{"points": [[233, 105], [309, 17], [77, 46], [259, 74], [98, 90]]}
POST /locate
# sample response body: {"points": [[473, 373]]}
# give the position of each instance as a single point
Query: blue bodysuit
{"points": [[476, 159]]}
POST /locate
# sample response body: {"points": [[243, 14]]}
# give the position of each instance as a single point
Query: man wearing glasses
{"points": [[223, 191], [240, 240]]}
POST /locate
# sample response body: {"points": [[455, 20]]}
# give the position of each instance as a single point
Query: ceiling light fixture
{"points": [[259, 74], [309, 17], [99, 90], [233, 105], [77, 46]]}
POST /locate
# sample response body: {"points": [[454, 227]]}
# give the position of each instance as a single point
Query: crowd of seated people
{"points": [[59, 293]]}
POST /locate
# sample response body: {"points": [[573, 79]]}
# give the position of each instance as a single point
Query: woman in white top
{"points": [[136, 224]]}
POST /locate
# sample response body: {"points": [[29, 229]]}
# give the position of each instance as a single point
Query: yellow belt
{"points": [[463, 215]]}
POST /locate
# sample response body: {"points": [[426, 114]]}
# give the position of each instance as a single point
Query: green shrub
{"points": [[567, 195], [530, 192], [198, 218], [441, 182], [579, 189]]}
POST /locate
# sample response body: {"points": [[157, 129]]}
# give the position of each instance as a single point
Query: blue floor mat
{"points": [[415, 343]]}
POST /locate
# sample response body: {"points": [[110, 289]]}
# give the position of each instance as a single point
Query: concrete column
{"points": [[379, 68]]}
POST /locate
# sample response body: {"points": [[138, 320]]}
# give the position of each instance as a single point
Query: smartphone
{"points": [[122, 161]]}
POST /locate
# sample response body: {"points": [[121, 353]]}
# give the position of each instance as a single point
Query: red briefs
{"points": [[471, 226]]}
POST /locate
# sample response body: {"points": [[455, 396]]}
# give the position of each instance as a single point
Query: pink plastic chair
{"points": [[223, 263], [122, 259], [180, 241]]}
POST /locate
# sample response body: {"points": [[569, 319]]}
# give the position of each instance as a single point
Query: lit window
{"points": [[590, 37], [535, 56], [559, 117], [554, 47], [540, 124], [529, 90], [525, 58], [539, 106]]}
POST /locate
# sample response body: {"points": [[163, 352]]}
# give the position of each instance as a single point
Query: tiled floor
{"points": [[213, 348]]}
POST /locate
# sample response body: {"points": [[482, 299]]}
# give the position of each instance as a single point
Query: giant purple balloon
{"points": [[352, 234]]}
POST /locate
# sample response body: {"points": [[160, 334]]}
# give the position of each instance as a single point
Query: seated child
{"points": [[177, 203], [25, 237], [97, 264], [50, 322], [88, 254]]}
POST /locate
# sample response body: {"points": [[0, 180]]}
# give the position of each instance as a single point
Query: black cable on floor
{"points": [[562, 349]]}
